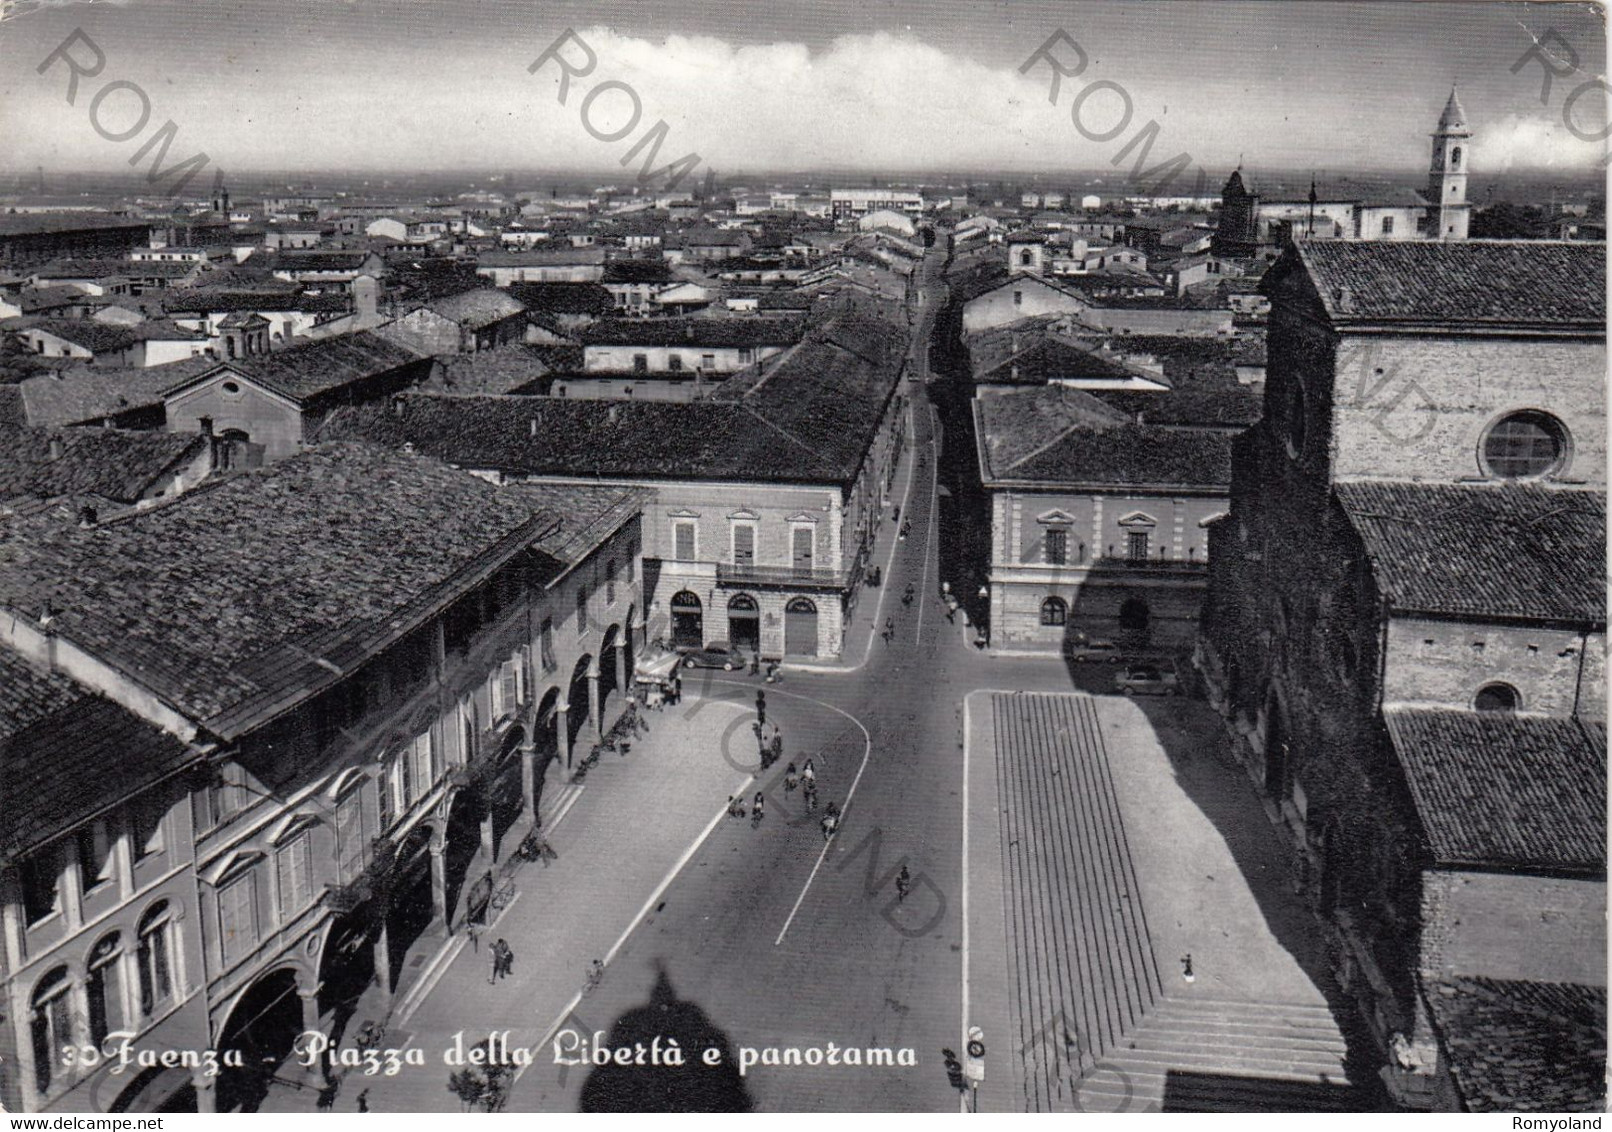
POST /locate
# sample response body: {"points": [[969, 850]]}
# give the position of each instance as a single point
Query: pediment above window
{"points": [[291, 825], [1215, 518], [231, 865], [683, 513], [1138, 520], [1056, 518], [803, 517], [745, 514]]}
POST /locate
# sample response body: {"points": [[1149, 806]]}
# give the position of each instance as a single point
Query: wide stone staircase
{"points": [[1094, 1029]]}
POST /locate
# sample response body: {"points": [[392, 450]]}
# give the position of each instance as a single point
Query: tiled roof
{"points": [[543, 257], [35, 299], [587, 515], [305, 371], [113, 463], [104, 268], [208, 300], [67, 753], [328, 552], [564, 298], [98, 337], [500, 370], [1046, 359], [1516, 1046], [28, 224], [1492, 788], [475, 309], [1236, 406], [1501, 550], [325, 260], [90, 394], [1017, 425], [694, 332], [809, 419], [638, 271], [1129, 456], [1502, 282]]}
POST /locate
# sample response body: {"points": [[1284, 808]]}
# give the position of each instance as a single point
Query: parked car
{"points": [[1095, 650], [717, 654], [1147, 680]]}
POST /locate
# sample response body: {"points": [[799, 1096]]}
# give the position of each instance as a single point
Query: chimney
{"points": [[532, 428], [399, 407], [611, 414], [1346, 299], [55, 448], [86, 516]]}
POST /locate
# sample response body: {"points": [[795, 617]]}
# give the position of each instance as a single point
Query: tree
{"points": [[1506, 221]]}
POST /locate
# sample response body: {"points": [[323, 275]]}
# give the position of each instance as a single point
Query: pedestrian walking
{"points": [[756, 811], [791, 778], [903, 883], [761, 706], [777, 746], [363, 1101], [496, 958]]}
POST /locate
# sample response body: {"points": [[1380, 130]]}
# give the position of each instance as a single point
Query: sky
{"points": [[909, 85]]}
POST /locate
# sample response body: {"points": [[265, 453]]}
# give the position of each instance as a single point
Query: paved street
{"points": [[738, 935]]}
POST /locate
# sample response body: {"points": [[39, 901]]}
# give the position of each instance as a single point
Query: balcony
{"points": [[793, 577], [1118, 562]]}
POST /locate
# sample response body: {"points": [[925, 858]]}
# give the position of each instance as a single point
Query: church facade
{"points": [[1250, 222], [1405, 634]]}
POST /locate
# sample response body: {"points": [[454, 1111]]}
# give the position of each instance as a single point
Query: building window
{"points": [[804, 550], [1455, 158], [747, 354], [41, 884], [293, 871], [104, 988], [582, 609], [545, 645], [1525, 445], [1136, 546], [632, 562], [744, 544], [708, 361], [94, 855], [421, 757], [683, 544], [51, 1025], [154, 958], [237, 917], [610, 582], [211, 804], [640, 363], [1054, 611], [350, 836], [1497, 697], [675, 363], [1018, 298], [1057, 547], [1296, 420], [147, 817]]}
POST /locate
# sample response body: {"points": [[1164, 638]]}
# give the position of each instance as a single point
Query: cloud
{"points": [[1516, 142]]}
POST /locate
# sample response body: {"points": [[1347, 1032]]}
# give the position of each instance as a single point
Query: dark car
{"points": [[717, 654], [1147, 680]]}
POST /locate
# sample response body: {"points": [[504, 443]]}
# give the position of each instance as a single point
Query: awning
{"points": [[656, 669]]}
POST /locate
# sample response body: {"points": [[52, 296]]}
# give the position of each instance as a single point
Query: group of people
{"points": [[503, 957], [803, 779]]}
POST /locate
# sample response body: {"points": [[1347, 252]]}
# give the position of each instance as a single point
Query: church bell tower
{"points": [[1449, 211]]}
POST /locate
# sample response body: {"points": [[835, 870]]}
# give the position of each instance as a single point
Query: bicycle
{"points": [[595, 977]]}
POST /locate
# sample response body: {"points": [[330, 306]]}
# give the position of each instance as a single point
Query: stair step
{"points": [[1238, 1032], [1149, 1039], [1300, 1068]]}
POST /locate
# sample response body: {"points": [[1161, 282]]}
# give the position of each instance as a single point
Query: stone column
{"points": [[528, 780], [206, 1091], [383, 959], [623, 677], [310, 1025], [439, 881], [487, 832], [593, 702], [562, 733]]}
